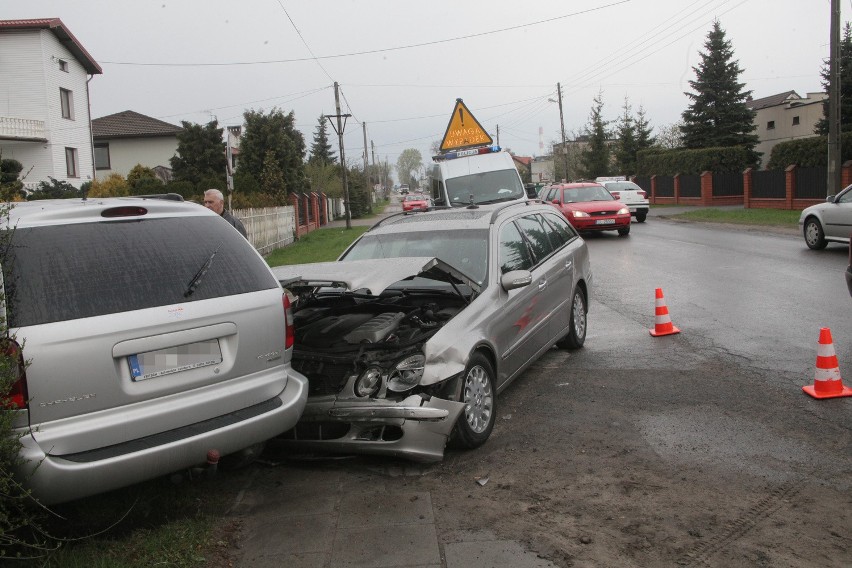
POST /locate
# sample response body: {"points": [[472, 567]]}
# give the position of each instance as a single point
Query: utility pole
{"points": [[834, 103], [562, 129], [339, 130], [498, 134], [366, 171]]}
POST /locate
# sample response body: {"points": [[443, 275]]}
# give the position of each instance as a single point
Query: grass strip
{"points": [[764, 217], [322, 245]]}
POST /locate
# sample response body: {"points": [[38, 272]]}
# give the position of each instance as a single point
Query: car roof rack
{"points": [[525, 203], [407, 213], [167, 196]]}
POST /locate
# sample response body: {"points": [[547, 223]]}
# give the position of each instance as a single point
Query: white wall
{"points": [[30, 80], [125, 153]]}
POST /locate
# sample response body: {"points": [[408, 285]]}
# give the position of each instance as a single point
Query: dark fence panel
{"points": [[690, 185], [727, 184], [644, 182], [769, 184], [303, 209], [665, 186], [310, 208], [811, 183]]}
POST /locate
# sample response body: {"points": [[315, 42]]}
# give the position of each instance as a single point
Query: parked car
{"points": [[628, 193], [588, 206], [156, 336], [407, 339], [829, 221], [849, 268], [415, 202]]}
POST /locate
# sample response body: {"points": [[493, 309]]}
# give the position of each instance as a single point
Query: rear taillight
{"points": [[290, 333], [643, 194], [17, 396], [615, 194]]}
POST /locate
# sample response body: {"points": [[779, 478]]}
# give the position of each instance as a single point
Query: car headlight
{"points": [[623, 211], [407, 373], [580, 214], [369, 382]]}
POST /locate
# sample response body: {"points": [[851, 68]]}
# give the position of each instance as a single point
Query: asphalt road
{"points": [[697, 449]]}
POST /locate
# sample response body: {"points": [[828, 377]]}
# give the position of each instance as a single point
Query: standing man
{"points": [[215, 201]]}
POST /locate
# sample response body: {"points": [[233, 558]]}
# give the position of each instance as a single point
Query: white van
{"points": [[477, 175]]}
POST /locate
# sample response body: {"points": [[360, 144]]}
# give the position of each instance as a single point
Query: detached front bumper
{"points": [[415, 428]]}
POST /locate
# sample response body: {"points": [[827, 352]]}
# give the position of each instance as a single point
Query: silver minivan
{"points": [[156, 337]]}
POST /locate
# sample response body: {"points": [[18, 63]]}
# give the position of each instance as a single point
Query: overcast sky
{"points": [[401, 64]]}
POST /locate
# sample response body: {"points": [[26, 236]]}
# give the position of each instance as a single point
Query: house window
{"points": [[770, 125], [102, 157], [66, 99], [71, 162], [795, 121], [63, 65]]}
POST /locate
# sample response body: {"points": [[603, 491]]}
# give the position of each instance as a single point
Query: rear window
{"points": [[66, 272]]}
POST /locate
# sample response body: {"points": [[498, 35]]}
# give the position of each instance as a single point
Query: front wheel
{"points": [[624, 232], [814, 235], [478, 394], [576, 336]]}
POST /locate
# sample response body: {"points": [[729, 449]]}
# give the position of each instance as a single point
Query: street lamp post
{"points": [[562, 128]]}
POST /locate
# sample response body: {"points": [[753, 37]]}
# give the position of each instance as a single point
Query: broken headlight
{"points": [[407, 373], [369, 382]]}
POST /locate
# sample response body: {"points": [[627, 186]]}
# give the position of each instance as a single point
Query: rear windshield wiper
{"points": [[196, 280]]}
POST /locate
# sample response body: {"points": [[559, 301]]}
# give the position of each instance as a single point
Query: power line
{"points": [[373, 51]]}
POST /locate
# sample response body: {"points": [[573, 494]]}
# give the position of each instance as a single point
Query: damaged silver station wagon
{"points": [[408, 338]]}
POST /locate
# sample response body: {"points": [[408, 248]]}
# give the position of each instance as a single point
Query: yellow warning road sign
{"points": [[464, 131]]}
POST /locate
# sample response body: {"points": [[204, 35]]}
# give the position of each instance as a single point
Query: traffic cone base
{"points": [[811, 390], [662, 322], [671, 331], [827, 381]]}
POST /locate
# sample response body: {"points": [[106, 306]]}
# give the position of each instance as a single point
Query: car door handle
{"points": [[569, 264], [542, 284]]}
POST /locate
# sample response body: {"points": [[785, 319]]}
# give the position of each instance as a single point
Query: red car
{"points": [[589, 207], [415, 202]]}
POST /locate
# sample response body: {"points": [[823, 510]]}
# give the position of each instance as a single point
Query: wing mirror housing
{"points": [[515, 279]]}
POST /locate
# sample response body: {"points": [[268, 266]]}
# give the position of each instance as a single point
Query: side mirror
{"points": [[557, 202], [830, 199], [516, 279]]}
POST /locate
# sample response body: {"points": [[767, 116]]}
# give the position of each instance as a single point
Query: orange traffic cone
{"points": [[662, 321], [827, 382]]}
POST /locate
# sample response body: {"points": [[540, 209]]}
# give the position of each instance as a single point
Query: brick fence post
{"points": [[706, 188], [654, 189], [294, 199], [789, 186], [748, 175], [846, 174]]}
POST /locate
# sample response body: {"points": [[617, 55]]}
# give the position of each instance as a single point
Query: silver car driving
{"points": [[408, 338], [829, 221]]}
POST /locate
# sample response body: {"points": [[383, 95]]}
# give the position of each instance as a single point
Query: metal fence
{"points": [[690, 185], [727, 184], [644, 182], [268, 228], [665, 186], [811, 183], [768, 184]]}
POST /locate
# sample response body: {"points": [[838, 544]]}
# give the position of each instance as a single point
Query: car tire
{"points": [[814, 235], [640, 216], [479, 395], [623, 232], [576, 336]]}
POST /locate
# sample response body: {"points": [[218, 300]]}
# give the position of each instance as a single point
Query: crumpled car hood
{"points": [[374, 275]]}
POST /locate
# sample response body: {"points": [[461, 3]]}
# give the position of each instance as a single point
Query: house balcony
{"points": [[22, 130]]}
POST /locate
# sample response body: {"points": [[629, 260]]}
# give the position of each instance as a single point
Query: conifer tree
{"points": [[595, 159], [626, 143], [718, 115], [321, 149]]}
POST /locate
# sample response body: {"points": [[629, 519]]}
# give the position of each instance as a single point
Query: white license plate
{"points": [[605, 222], [174, 359]]}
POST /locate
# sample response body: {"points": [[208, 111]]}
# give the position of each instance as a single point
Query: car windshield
{"points": [[465, 249], [588, 193], [485, 187], [414, 198]]}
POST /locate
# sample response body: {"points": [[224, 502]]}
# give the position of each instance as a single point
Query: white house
{"points": [[125, 139], [44, 101], [785, 116]]}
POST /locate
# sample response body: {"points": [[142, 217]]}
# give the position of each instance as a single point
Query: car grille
{"points": [[323, 377]]}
